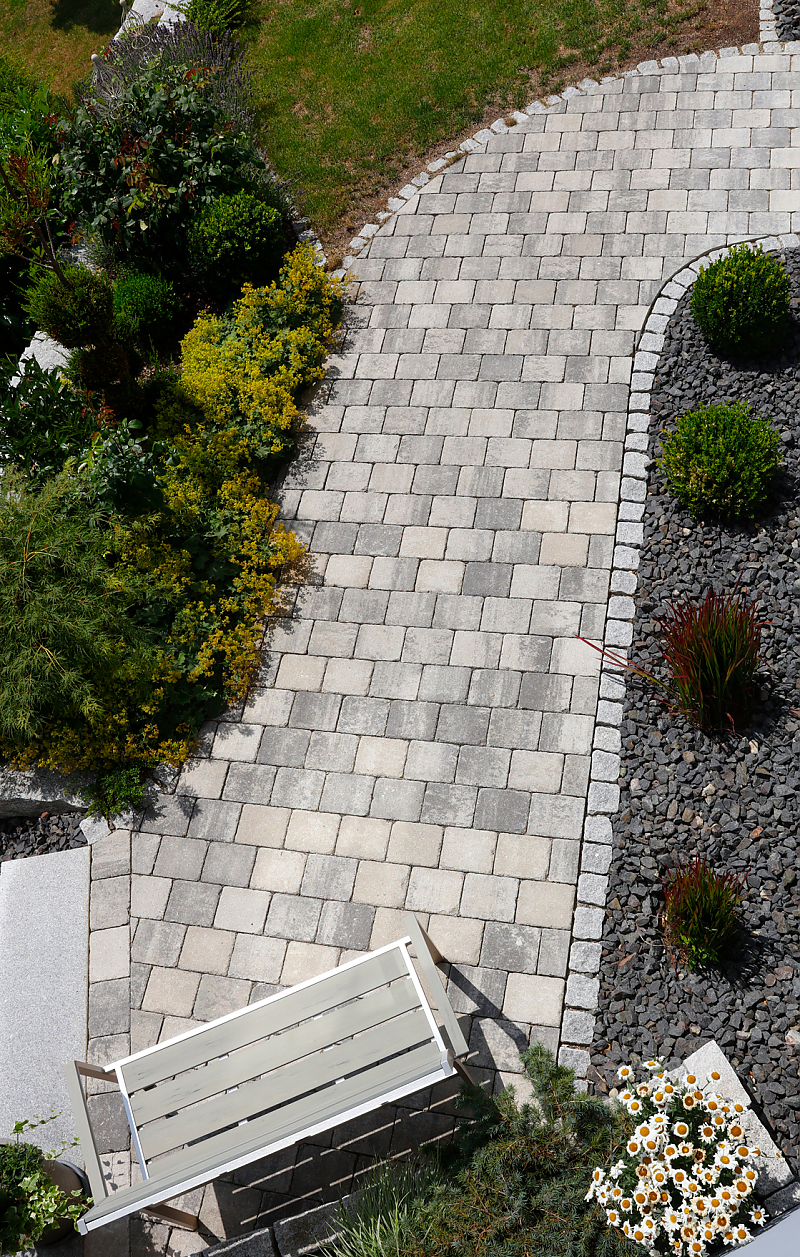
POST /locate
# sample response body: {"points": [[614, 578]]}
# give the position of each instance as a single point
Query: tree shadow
{"points": [[102, 17]]}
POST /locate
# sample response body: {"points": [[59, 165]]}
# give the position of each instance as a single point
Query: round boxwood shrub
{"points": [[740, 302], [144, 306], [77, 312], [236, 239], [721, 459]]}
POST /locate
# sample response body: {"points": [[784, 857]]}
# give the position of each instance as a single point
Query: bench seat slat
{"points": [[197, 1165], [374, 1008], [278, 1014], [279, 1088]]}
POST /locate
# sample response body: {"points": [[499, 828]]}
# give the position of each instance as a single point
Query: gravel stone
{"points": [[22, 836], [733, 797]]}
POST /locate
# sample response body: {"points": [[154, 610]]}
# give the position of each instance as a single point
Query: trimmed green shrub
{"points": [[741, 302], [75, 313], [145, 306], [217, 16], [699, 914], [236, 239], [721, 459]]}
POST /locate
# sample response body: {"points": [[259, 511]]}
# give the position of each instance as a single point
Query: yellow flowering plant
{"points": [[203, 559], [684, 1180]]}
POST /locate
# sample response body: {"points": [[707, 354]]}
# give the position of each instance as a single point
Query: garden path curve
{"points": [[429, 734]]}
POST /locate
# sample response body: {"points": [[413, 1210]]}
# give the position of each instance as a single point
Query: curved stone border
{"points": [[705, 62], [583, 982]]}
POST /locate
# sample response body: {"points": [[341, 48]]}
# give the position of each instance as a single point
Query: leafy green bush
{"points": [[116, 790], [67, 631], [217, 16], [44, 420], [138, 168], [158, 550], [740, 302], [721, 459], [145, 306], [30, 1202], [699, 914], [75, 313], [236, 239], [515, 1188], [248, 371]]}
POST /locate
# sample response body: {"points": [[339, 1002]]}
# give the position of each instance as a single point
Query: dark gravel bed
{"points": [[787, 18], [21, 836], [734, 798]]}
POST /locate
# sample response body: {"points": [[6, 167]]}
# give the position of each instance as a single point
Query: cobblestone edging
{"points": [[706, 61], [583, 983]]}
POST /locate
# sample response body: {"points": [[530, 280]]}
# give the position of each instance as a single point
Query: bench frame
{"points": [[449, 1039]]}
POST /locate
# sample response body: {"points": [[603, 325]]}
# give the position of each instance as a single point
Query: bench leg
{"points": [[175, 1216], [464, 1072]]}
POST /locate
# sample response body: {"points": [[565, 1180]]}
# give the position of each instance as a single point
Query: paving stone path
{"points": [[423, 735]]}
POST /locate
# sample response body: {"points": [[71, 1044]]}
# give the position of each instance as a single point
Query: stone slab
{"points": [[38, 790], [44, 946], [306, 1232], [256, 1244]]}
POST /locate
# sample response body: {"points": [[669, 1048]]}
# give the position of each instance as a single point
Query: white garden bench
{"points": [[273, 1074]]}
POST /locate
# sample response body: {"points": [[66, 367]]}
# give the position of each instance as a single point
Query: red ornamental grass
{"points": [[699, 915], [711, 651]]}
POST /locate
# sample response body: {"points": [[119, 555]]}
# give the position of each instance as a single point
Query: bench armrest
{"points": [[94, 1171], [427, 954]]}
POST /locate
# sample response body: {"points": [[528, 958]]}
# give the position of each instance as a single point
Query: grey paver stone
{"points": [[545, 903], [293, 917], [505, 810], [434, 890], [489, 897], [157, 942], [496, 1044], [171, 991], [229, 865], [109, 1007], [257, 958], [192, 903], [397, 800], [180, 857], [242, 909], [206, 950], [553, 953], [514, 948], [168, 814], [473, 989], [346, 925], [329, 877], [249, 783], [109, 903], [202, 778], [278, 871], [534, 999], [111, 856], [149, 896], [215, 820], [218, 996]]}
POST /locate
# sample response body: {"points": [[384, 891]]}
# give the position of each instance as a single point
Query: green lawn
{"points": [[354, 93], [351, 91]]}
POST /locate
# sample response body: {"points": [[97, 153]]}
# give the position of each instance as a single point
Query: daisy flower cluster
{"points": [[684, 1181]]}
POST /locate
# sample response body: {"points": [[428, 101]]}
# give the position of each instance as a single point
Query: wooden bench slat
{"points": [[199, 1164], [374, 1008], [282, 1086], [278, 1014]]}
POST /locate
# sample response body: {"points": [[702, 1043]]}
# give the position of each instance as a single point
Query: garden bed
{"points": [[22, 836], [734, 798]]}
